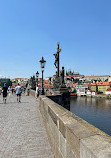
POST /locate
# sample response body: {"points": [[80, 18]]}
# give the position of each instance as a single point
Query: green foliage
{"points": [[33, 85], [99, 92], [33, 82], [77, 81], [5, 80], [9, 83], [75, 90]]}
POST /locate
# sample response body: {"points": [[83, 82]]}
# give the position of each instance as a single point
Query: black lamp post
{"points": [[37, 75], [42, 62]]}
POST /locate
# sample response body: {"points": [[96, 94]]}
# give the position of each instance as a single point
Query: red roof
{"points": [[46, 85], [76, 75], [109, 89], [92, 91], [85, 84], [101, 84], [99, 76], [74, 85]]}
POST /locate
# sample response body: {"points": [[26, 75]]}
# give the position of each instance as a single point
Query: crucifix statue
{"points": [[56, 63]]}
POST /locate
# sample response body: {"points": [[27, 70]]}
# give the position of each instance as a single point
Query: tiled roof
{"points": [[109, 89], [85, 84], [92, 91], [101, 83], [74, 85], [46, 85], [99, 76], [75, 76]]}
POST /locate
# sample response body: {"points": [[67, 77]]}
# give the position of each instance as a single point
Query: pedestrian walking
{"points": [[24, 89], [10, 90], [5, 88], [28, 90], [37, 92], [18, 92]]}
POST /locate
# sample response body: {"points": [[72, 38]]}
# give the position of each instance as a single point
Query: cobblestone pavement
{"points": [[22, 133]]}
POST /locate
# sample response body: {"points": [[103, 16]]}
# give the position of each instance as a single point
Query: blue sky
{"points": [[30, 29]]}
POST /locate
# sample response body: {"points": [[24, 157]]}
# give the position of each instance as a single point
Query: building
{"points": [[90, 93], [101, 78], [46, 85], [81, 89], [19, 80], [73, 77], [100, 86], [108, 91]]}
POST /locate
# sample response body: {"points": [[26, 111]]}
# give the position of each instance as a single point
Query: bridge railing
{"points": [[70, 136]]}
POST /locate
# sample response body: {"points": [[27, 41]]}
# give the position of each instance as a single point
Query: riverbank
{"points": [[101, 96], [95, 96]]}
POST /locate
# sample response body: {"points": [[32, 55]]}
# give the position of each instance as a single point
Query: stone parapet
{"points": [[32, 92], [70, 136]]}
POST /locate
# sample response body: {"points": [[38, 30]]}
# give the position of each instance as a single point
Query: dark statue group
{"points": [[59, 83], [59, 79]]}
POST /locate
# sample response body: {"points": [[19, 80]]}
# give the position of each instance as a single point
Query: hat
{"points": [[4, 84]]}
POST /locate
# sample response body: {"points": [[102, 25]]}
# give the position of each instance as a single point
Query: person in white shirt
{"points": [[37, 92], [18, 92], [10, 90]]}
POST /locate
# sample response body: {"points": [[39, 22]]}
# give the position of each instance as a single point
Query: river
{"points": [[96, 111]]}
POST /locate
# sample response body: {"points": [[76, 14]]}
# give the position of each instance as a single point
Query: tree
{"points": [[76, 80], [99, 92], [7, 81], [33, 85], [75, 90]]}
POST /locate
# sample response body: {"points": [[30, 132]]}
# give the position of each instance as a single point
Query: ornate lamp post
{"points": [[37, 75], [42, 62]]}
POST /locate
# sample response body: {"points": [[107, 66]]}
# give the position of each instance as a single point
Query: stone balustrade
{"points": [[32, 92], [70, 136]]}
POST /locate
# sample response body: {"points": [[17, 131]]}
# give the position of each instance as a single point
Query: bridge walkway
{"points": [[22, 133]]}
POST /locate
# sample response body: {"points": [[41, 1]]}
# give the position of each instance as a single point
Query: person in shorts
{"points": [[18, 93], [4, 90]]}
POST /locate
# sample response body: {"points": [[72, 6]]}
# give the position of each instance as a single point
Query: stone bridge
{"points": [[22, 133], [43, 129]]}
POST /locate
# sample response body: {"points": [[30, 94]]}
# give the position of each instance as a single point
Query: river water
{"points": [[96, 111]]}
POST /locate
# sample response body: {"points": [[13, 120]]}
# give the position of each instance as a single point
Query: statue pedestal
{"points": [[63, 89], [56, 83], [65, 97], [62, 97]]}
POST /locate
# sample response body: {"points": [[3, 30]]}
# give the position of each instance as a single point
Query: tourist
{"points": [[24, 89], [37, 92], [18, 92], [10, 90], [5, 88], [28, 90]]}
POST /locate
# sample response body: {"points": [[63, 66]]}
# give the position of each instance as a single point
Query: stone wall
{"points": [[32, 92], [70, 136]]}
